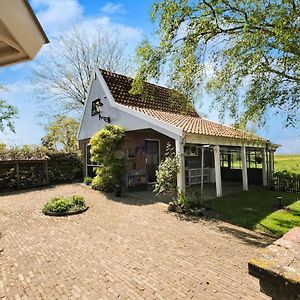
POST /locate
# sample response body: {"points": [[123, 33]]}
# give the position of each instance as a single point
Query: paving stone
{"points": [[121, 248]]}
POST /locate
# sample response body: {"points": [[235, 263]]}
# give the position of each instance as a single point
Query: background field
{"points": [[289, 163]]}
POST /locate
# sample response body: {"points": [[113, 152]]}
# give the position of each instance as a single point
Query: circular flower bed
{"points": [[60, 206]]}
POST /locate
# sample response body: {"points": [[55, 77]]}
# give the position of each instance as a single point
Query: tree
{"points": [[7, 113], [65, 72], [246, 53], [2, 146], [62, 133], [105, 150]]}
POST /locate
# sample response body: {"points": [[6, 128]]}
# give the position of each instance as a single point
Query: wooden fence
{"points": [[287, 182], [18, 174], [59, 167]]}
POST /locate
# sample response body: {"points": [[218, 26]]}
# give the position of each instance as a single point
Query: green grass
{"points": [[258, 211], [289, 163], [282, 220]]}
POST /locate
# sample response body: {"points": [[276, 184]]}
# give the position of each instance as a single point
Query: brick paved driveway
{"points": [[128, 250]]}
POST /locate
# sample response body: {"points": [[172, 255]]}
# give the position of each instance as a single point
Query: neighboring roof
{"points": [[154, 96], [158, 103], [197, 125], [21, 34]]}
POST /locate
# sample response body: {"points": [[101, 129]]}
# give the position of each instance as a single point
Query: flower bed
{"points": [[60, 206]]}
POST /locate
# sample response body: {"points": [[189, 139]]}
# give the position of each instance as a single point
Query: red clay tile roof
{"points": [[158, 104], [197, 125], [155, 96]]}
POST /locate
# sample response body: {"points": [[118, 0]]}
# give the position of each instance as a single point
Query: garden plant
{"points": [[59, 206], [106, 151]]}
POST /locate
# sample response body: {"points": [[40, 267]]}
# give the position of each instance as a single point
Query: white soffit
{"points": [[21, 35]]}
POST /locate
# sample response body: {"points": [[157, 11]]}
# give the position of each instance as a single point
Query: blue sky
{"points": [[131, 19]]}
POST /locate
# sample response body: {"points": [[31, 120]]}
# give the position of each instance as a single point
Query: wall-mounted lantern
{"points": [[97, 110]]}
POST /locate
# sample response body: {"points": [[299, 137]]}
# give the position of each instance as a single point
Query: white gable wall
{"points": [[119, 114]]}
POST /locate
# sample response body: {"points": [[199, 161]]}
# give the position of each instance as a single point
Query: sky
{"points": [[131, 20]]}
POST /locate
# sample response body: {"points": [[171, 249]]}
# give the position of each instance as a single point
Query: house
{"points": [[207, 150], [21, 35]]}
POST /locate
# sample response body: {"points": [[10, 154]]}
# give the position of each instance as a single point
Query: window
{"points": [[231, 158], [254, 159], [89, 161], [90, 165], [191, 150], [130, 153], [224, 160], [96, 107]]}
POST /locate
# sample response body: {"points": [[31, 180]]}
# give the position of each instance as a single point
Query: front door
{"points": [[152, 159]]}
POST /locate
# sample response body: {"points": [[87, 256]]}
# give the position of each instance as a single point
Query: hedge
{"points": [[62, 168]]}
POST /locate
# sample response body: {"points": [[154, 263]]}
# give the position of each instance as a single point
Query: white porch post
{"points": [[244, 168], [181, 174], [218, 171], [271, 164], [264, 167]]}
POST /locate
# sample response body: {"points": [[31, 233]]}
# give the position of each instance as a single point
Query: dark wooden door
{"points": [[152, 159]]}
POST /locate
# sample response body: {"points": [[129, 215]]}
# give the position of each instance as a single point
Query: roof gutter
{"points": [[36, 21]]}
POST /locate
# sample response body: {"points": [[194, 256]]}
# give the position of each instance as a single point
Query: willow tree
{"points": [[245, 53]]}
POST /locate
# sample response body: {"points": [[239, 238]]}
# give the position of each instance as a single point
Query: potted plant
{"points": [[118, 189], [87, 180]]}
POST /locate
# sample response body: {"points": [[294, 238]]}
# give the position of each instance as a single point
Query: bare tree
{"points": [[63, 75]]}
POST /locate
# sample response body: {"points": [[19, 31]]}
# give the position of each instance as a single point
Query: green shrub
{"points": [[57, 204], [166, 175], [103, 181], [87, 180], [61, 204], [105, 149], [64, 167], [287, 174], [77, 200], [182, 200]]}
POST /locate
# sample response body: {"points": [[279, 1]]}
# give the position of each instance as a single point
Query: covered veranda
{"points": [[227, 164]]}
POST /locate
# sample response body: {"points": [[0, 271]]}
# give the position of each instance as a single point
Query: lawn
{"points": [[257, 210], [289, 163]]}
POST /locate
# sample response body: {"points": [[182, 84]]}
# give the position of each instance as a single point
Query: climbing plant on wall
{"points": [[105, 150]]}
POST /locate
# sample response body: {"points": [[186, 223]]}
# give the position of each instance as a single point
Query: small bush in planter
{"points": [[61, 205], [87, 180]]}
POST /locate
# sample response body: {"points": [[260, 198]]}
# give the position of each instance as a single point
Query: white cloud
{"points": [[111, 8], [131, 36], [13, 91], [127, 33], [56, 15]]}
